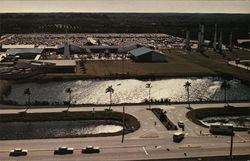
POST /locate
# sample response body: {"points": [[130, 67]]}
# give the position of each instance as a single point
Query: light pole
{"points": [[148, 85], [123, 123], [231, 145]]}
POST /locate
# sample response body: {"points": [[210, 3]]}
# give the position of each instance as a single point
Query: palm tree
{"points": [[225, 85], [148, 85], [69, 91], [27, 92], [111, 91], [187, 85]]}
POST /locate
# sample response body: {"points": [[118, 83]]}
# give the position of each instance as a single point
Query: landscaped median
{"points": [[99, 117]]}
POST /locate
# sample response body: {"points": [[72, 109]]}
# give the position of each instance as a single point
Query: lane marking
{"points": [[145, 150], [189, 146], [241, 137], [125, 146], [244, 141]]}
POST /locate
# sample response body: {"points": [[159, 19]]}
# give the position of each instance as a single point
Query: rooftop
{"points": [[23, 51], [140, 51]]}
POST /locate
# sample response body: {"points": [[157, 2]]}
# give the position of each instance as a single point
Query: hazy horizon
{"points": [[125, 6]]}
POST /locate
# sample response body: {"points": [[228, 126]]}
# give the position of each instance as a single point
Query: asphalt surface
{"points": [[149, 142]]}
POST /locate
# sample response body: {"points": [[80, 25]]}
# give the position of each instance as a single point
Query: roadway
{"points": [[149, 142]]}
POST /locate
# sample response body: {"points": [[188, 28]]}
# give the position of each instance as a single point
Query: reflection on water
{"points": [[236, 121], [12, 130], [130, 90]]}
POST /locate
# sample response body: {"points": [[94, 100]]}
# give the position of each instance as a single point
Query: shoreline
{"points": [[9, 106]]}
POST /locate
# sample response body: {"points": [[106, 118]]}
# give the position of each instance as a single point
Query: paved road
{"points": [[149, 142]]}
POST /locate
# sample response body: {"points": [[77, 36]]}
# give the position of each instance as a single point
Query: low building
{"points": [[54, 66], [144, 54], [16, 46], [29, 53], [73, 48]]}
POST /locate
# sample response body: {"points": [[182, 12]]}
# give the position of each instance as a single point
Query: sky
{"points": [[183, 6]]}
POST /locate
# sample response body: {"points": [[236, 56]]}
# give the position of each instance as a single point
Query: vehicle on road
{"points": [[178, 137], [18, 152], [221, 129], [63, 150], [181, 124], [91, 149]]}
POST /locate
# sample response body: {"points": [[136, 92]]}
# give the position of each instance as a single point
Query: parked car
{"points": [[63, 150], [18, 152], [91, 149], [181, 124]]}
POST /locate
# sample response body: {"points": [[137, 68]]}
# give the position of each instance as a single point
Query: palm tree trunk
{"points": [[188, 97], [110, 99], [69, 101], [149, 98], [28, 104], [225, 96]]}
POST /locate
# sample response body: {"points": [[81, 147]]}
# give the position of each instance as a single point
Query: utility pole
{"points": [[123, 120], [231, 42], [220, 42], [187, 41], [215, 38]]}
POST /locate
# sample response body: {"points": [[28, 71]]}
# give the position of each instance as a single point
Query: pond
{"points": [[50, 129], [129, 91], [236, 121]]}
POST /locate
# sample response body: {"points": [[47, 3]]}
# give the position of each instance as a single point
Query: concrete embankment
{"points": [[131, 124]]}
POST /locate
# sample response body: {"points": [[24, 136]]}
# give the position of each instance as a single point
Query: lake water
{"points": [[48, 129], [129, 90]]}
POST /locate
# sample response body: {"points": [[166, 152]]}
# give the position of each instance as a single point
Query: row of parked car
{"points": [[57, 151]]}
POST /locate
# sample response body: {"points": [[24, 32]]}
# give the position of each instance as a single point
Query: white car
{"points": [[91, 149], [63, 150], [18, 152]]}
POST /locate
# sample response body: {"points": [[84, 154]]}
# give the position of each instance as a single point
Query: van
{"points": [[178, 137]]}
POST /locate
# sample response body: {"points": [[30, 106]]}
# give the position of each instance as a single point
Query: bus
{"points": [[221, 129]]}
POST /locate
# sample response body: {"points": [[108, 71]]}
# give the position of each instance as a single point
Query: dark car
{"points": [[91, 149], [18, 152], [63, 150]]}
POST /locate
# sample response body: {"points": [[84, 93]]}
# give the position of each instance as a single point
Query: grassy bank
{"points": [[198, 114], [5, 88], [181, 63], [131, 123]]}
